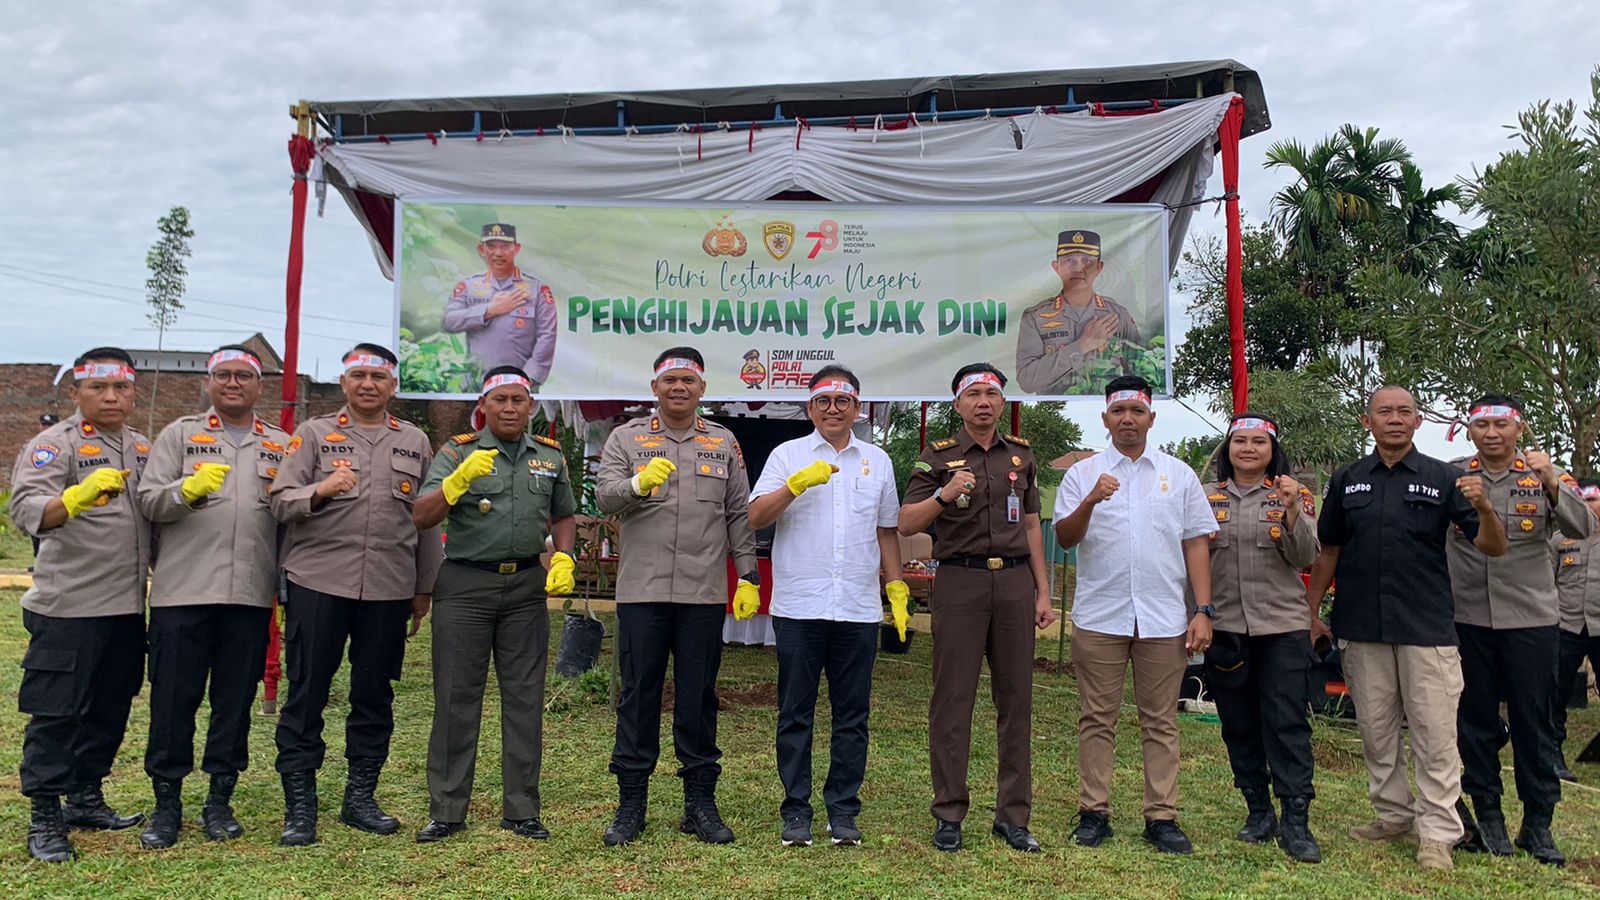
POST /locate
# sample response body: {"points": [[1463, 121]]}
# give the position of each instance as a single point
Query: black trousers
{"points": [[316, 628], [807, 648], [646, 633], [1569, 662], [1266, 724], [1518, 664], [226, 642], [79, 678]]}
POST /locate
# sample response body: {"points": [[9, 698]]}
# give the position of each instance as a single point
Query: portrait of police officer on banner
{"points": [[508, 315], [1062, 338]]}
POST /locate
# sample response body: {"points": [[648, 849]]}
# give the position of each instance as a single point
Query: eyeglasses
{"points": [[827, 403], [240, 378]]}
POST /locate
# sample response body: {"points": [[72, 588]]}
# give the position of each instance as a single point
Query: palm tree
{"points": [[1427, 236], [1347, 177]]}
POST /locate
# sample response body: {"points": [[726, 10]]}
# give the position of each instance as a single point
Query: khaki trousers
{"points": [[1420, 687], [1101, 663]]}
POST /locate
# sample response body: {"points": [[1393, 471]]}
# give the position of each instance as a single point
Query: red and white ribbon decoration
{"points": [[114, 371], [367, 360], [668, 365], [1119, 396], [504, 379], [1249, 422], [979, 378], [222, 356], [1590, 492], [832, 387], [1494, 412]]}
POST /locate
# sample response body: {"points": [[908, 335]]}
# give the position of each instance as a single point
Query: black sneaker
{"points": [[947, 836], [844, 832], [1167, 836], [797, 831], [1093, 828]]}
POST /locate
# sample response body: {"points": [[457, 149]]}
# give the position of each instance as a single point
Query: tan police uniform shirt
{"points": [[1577, 566], [1517, 590], [223, 548], [1256, 558], [675, 541], [361, 544], [95, 563], [1046, 362], [1006, 469]]}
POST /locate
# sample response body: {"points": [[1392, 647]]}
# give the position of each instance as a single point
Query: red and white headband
{"points": [[1120, 396], [114, 371], [222, 356], [1590, 492], [979, 378], [368, 360], [1253, 422], [504, 379], [832, 387], [1494, 412], [668, 365]]}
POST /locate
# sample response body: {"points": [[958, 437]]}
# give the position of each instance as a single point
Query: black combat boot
{"points": [[167, 820], [299, 808], [1535, 838], [700, 815], [47, 832], [1261, 823], [1295, 837], [86, 808], [360, 810], [633, 791], [216, 817], [1491, 831]]}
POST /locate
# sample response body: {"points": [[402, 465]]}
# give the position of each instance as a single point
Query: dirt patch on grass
{"points": [[761, 694], [1587, 866], [1054, 668]]}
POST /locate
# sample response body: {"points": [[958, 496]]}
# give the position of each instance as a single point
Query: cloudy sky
{"points": [[116, 112]]}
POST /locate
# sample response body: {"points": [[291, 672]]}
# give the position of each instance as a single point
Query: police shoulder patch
{"points": [[944, 444], [1021, 442], [921, 466], [547, 441], [466, 438], [44, 454]]}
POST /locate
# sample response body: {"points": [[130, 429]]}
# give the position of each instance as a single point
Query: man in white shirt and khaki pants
{"points": [[833, 499], [1142, 522]]}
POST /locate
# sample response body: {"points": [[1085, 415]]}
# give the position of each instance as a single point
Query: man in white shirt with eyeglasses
{"points": [[834, 501]]}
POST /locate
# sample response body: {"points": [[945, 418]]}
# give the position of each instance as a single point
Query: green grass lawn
{"points": [[895, 860]]}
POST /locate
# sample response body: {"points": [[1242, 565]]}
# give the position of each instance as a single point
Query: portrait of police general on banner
{"points": [[1068, 297]]}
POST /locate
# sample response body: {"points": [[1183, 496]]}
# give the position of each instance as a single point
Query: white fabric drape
{"points": [[1038, 158]]}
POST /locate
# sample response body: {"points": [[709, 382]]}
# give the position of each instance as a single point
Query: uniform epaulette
{"points": [[467, 438], [1566, 478], [547, 441], [1460, 460], [1017, 440], [943, 444]]}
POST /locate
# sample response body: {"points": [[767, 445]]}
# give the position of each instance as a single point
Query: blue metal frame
{"points": [[866, 121]]}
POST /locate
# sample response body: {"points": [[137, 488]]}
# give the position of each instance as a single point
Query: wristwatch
{"points": [[1208, 610], [752, 576], [943, 503]]}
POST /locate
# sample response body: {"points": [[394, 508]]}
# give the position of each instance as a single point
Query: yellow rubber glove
{"points": [[746, 600], [656, 472], [477, 464], [205, 481], [104, 480], [559, 582], [809, 477], [899, 605]]}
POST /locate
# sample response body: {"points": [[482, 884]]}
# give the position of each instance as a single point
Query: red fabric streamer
{"points": [[433, 138], [1228, 137], [383, 139], [754, 127], [802, 125]]}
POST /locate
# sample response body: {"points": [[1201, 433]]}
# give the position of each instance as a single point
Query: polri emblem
{"points": [[778, 238], [44, 454]]}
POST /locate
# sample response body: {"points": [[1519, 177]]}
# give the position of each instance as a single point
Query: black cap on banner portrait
{"points": [[1078, 242], [499, 231]]}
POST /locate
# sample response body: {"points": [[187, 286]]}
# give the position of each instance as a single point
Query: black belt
{"points": [[505, 567], [984, 562]]}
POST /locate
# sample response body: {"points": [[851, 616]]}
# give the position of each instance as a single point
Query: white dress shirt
{"points": [[1131, 574], [825, 556]]}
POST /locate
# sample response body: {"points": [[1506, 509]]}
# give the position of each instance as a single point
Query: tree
{"points": [[1196, 452], [1517, 309], [164, 288]]}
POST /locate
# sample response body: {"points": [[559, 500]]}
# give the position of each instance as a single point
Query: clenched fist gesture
{"points": [[1103, 488], [1471, 487]]}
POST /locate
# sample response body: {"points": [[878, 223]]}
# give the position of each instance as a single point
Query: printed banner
{"points": [[582, 298]]}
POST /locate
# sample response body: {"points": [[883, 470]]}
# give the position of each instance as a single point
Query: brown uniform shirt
{"points": [[1005, 469], [676, 541], [1256, 559], [223, 549], [1577, 565], [1517, 590], [362, 544], [1046, 364], [95, 563]]}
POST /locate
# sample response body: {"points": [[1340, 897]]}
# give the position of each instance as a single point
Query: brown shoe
{"points": [[1381, 830], [1434, 855]]}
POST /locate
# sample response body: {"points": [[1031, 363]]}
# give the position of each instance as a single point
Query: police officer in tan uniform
{"points": [[679, 486], [1260, 650], [1507, 616], [205, 488], [1061, 336], [73, 489], [357, 570], [1577, 565], [980, 491], [508, 315]]}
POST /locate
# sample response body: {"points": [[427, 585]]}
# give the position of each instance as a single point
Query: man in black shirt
{"points": [[1384, 526]]}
